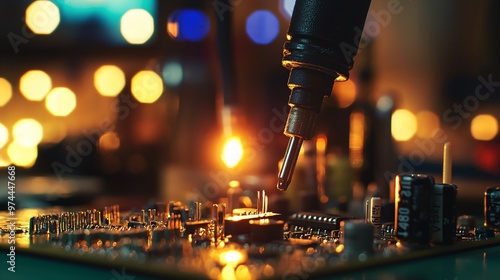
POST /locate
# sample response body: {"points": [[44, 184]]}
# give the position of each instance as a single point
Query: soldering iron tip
{"points": [[282, 184]]}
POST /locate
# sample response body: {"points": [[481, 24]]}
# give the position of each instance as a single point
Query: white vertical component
{"points": [[447, 163], [259, 201], [263, 204], [374, 214]]}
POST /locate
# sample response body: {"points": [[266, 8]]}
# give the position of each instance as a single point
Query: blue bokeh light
{"points": [[262, 27], [188, 25]]}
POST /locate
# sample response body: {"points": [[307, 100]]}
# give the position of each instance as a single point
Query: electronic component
{"points": [[492, 207], [413, 208], [266, 230], [305, 225], [373, 214], [322, 40], [357, 237], [444, 206]]}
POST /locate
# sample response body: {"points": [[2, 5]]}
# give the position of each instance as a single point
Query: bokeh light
{"points": [[109, 141], [109, 80], [35, 84], [188, 25], [427, 124], [5, 91], [137, 26], [345, 92], [146, 86], [27, 132], [385, 103], [54, 132], [172, 73], [4, 135], [262, 27], [21, 155], [484, 127], [4, 160], [232, 257], [60, 101], [286, 8], [232, 152], [42, 17], [403, 125]]}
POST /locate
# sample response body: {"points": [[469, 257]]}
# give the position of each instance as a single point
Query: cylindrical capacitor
{"points": [[492, 207], [413, 193], [358, 237], [444, 213]]}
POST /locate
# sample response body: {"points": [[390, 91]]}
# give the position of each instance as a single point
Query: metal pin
{"points": [[447, 163], [98, 215], [153, 214], [289, 161], [259, 201], [266, 203], [90, 218], [118, 213], [223, 222], [262, 210], [215, 214], [200, 209]]}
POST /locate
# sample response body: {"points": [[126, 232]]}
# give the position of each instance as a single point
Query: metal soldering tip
{"points": [[289, 161]]}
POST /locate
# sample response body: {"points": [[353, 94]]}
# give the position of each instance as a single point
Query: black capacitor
{"points": [[492, 207], [444, 213], [413, 208]]}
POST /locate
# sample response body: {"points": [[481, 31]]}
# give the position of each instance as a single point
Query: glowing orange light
{"points": [[233, 152], [232, 258], [27, 132], [173, 29], [22, 155], [234, 184], [227, 273], [4, 135], [243, 273], [356, 139], [339, 248], [109, 80], [35, 84], [403, 125], [109, 141], [345, 93], [484, 127], [428, 124], [146, 86], [6, 91], [60, 101]]}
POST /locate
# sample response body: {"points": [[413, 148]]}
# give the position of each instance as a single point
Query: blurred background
{"points": [[173, 100]]}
